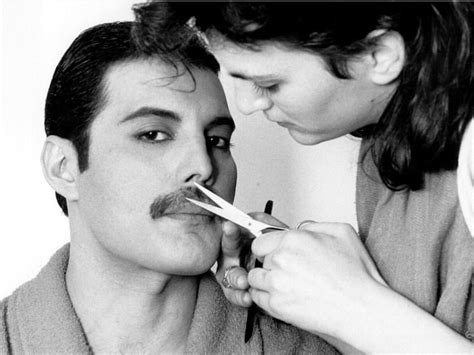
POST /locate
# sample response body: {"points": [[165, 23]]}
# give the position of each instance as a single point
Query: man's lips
{"points": [[189, 210], [176, 204]]}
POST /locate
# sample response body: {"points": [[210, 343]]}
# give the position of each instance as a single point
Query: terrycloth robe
{"points": [[40, 318], [420, 242]]}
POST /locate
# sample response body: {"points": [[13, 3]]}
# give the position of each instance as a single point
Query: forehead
{"points": [[264, 62], [151, 82]]}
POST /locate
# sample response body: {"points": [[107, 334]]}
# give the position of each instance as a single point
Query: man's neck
{"points": [[127, 309]]}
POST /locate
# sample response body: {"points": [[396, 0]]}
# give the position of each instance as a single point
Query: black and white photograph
{"points": [[236, 177]]}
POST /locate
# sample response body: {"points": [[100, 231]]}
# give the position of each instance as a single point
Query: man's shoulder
{"points": [[9, 307]]}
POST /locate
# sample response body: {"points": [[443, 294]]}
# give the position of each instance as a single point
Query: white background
{"points": [[305, 182]]}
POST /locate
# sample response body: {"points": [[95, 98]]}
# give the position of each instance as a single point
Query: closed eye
{"points": [[262, 90]]}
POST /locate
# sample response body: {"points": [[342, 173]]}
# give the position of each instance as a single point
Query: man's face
{"points": [[153, 137]]}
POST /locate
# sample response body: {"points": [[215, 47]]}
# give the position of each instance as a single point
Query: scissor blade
{"points": [[223, 213], [222, 203]]}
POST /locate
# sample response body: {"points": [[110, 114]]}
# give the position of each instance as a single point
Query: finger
{"points": [[257, 279], [231, 239], [237, 278], [223, 264], [334, 229], [267, 243], [238, 297], [261, 298], [266, 218]]}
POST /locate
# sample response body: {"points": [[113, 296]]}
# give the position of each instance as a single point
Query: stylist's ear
{"points": [[60, 166], [387, 58]]}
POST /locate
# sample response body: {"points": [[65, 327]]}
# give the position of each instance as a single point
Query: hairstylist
{"points": [[401, 76]]}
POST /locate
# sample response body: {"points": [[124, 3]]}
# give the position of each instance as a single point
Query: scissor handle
{"points": [[257, 228]]}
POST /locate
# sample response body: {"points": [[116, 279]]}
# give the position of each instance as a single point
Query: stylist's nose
{"points": [[197, 164], [248, 100]]}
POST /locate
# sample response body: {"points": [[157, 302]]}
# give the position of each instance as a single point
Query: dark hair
{"points": [[422, 126], [77, 93]]}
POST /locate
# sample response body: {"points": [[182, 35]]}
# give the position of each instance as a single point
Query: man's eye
{"points": [[154, 136], [218, 142]]}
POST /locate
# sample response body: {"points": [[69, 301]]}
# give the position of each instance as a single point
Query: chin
{"points": [[306, 138], [200, 250], [184, 246], [199, 263]]}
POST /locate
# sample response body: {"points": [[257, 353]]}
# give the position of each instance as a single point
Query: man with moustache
{"points": [[128, 134]]}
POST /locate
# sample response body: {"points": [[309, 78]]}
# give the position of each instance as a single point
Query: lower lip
{"points": [[293, 128], [286, 125]]}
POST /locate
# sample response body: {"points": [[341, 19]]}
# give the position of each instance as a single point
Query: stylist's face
{"points": [[294, 89]]}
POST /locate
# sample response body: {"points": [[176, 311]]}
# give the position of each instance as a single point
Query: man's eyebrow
{"points": [[222, 121], [151, 111]]}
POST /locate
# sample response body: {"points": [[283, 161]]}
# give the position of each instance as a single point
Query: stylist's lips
{"points": [[291, 127], [286, 125]]}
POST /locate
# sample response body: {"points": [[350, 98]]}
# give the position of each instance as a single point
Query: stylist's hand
{"points": [[315, 278], [235, 247]]}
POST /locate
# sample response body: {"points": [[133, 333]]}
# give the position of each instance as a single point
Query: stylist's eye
{"points": [[265, 89], [154, 136], [218, 142]]}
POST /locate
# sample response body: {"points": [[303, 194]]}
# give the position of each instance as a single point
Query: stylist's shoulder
{"points": [[3, 327]]}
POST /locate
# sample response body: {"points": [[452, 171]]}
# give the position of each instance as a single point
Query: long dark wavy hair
{"points": [[421, 128]]}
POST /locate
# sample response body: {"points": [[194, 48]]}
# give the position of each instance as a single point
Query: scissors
{"points": [[232, 213]]}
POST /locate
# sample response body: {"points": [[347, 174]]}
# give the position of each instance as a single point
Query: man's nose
{"points": [[248, 100], [198, 164]]}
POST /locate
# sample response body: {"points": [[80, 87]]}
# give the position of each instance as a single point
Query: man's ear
{"points": [[60, 166], [387, 58]]}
